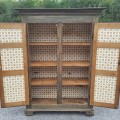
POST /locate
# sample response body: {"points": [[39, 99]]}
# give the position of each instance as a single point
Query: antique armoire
{"points": [[60, 60]]}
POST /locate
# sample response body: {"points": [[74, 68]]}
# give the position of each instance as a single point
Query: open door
{"points": [[104, 90], [14, 68]]}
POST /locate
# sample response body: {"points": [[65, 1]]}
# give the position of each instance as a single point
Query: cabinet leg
{"points": [[89, 113], [28, 113]]}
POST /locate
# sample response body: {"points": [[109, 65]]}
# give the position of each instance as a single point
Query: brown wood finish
{"points": [[77, 43], [43, 63], [15, 72], [25, 63], [108, 45], [117, 85], [54, 63], [75, 63], [11, 45], [63, 43], [106, 73], [11, 25], [65, 81], [28, 55], [59, 63], [107, 105], [14, 104], [1, 86], [42, 43], [103, 72], [91, 54]]}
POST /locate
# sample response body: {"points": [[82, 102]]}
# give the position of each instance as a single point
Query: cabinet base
{"points": [[89, 111]]}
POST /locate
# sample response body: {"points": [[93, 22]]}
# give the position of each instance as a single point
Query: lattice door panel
{"points": [[42, 32], [67, 92], [105, 83], [74, 32], [14, 83]]}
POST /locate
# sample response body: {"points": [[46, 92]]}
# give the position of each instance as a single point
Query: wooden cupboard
{"points": [[60, 60]]}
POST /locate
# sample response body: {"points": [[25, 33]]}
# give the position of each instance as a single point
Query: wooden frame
{"points": [[59, 63], [104, 72], [24, 72]]}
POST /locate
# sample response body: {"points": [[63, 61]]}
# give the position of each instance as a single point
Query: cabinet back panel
{"points": [[67, 92], [51, 72], [75, 53], [77, 32], [43, 53], [42, 32]]}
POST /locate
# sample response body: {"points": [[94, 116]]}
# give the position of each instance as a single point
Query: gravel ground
{"points": [[17, 113]]}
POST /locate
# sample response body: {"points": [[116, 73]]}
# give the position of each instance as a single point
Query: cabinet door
{"points": [[105, 71], [14, 68]]}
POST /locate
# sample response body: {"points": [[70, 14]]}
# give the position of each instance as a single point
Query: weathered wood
{"points": [[63, 43], [91, 54], [106, 73], [59, 107], [59, 63], [76, 63], [11, 45], [28, 55], [42, 43], [12, 72], [24, 72], [117, 85], [65, 81], [14, 104], [54, 63], [107, 105], [108, 45], [40, 64], [77, 43]]}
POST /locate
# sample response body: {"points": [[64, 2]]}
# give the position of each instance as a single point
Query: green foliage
{"points": [[8, 14]]}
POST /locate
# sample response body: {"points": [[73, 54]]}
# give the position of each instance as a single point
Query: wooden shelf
{"points": [[67, 63], [44, 101], [64, 43], [42, 43], [65, 81], [76, 63], [41, 64], [77, 43]]}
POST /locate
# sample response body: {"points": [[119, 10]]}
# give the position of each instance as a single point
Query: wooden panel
{"points": [[77, 43], [65, 81], [105, 79], [52, 63], [13, 41], [108, 45], [106, 73], [42, 43], [11, 45], [12, 73], [40, 64], [77, 64], [64, 43], [59, 63]]}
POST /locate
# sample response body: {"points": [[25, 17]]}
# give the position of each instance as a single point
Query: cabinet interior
{"points": [[76, 47]]}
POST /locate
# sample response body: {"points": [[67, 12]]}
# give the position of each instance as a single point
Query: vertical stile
{"points": [[59, 63]]}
